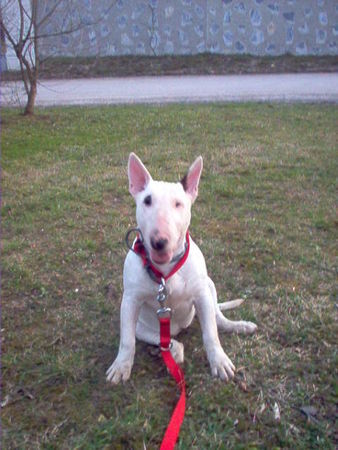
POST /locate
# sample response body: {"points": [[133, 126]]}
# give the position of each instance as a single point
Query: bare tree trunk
{"points": [[30, 78], [29, 109]]}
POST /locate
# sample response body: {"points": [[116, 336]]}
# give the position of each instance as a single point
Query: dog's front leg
{"points": [[121, 367], [221, 365]]}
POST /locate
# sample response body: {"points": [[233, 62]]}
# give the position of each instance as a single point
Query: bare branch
{"points": [[31, 23], [26, 13], [7, 33], [49, 14], [22, 22], [28, 54], [24, 76]]}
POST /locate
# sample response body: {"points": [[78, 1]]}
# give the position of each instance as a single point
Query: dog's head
{"points": [[163, 209]]}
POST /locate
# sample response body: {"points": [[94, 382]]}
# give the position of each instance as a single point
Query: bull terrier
{"points": [[163, 212]]}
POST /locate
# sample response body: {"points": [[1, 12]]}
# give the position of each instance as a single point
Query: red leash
{"points": [[173, 429], [164, 314]]}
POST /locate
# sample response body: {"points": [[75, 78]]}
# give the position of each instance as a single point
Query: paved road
{"points": [[319, 87]]}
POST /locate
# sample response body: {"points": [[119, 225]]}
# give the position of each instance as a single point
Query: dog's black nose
{"points": [[159, 244]]}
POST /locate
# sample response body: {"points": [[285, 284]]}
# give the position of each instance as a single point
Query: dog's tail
{"points": [[230, 305]]}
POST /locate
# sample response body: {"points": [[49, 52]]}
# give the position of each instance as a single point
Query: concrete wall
{"points": [[258, 27], [157, 27]]}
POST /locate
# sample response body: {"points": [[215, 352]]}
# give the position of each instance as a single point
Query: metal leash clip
{"points": [[162, 295], [166, 349], [162, 292], [164, 312]]}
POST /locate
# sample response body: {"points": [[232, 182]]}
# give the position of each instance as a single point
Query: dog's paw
{"points": [[221, 365], [119, 371], [246, 327], [177, 351]]}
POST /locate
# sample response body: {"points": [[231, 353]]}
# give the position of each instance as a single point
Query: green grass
{"points": [[265, 220]]}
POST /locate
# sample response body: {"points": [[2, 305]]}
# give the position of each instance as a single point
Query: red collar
{"points": [[154, 273]]}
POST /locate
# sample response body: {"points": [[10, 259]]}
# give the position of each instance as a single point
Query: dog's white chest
{"points": [[177, 291]]}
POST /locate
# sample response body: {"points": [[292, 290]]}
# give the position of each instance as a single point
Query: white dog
{"points": [[163, 217]]}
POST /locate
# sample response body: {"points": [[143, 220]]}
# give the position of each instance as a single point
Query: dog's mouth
{"points": [[160, 257]]}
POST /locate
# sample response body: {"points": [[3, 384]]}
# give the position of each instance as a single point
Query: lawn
{"points": [[266, 222]]}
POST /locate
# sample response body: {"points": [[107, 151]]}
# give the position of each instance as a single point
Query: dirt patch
{"points": [[203, 64]]}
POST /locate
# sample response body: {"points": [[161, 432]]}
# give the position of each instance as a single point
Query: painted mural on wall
{"points": [[154, 27]]}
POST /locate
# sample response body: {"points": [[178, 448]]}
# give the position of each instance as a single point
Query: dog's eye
{"points": [[178, 204], [147, 200]]}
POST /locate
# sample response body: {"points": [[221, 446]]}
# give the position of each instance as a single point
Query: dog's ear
{"points": [[138, 175], [191, 179]]}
